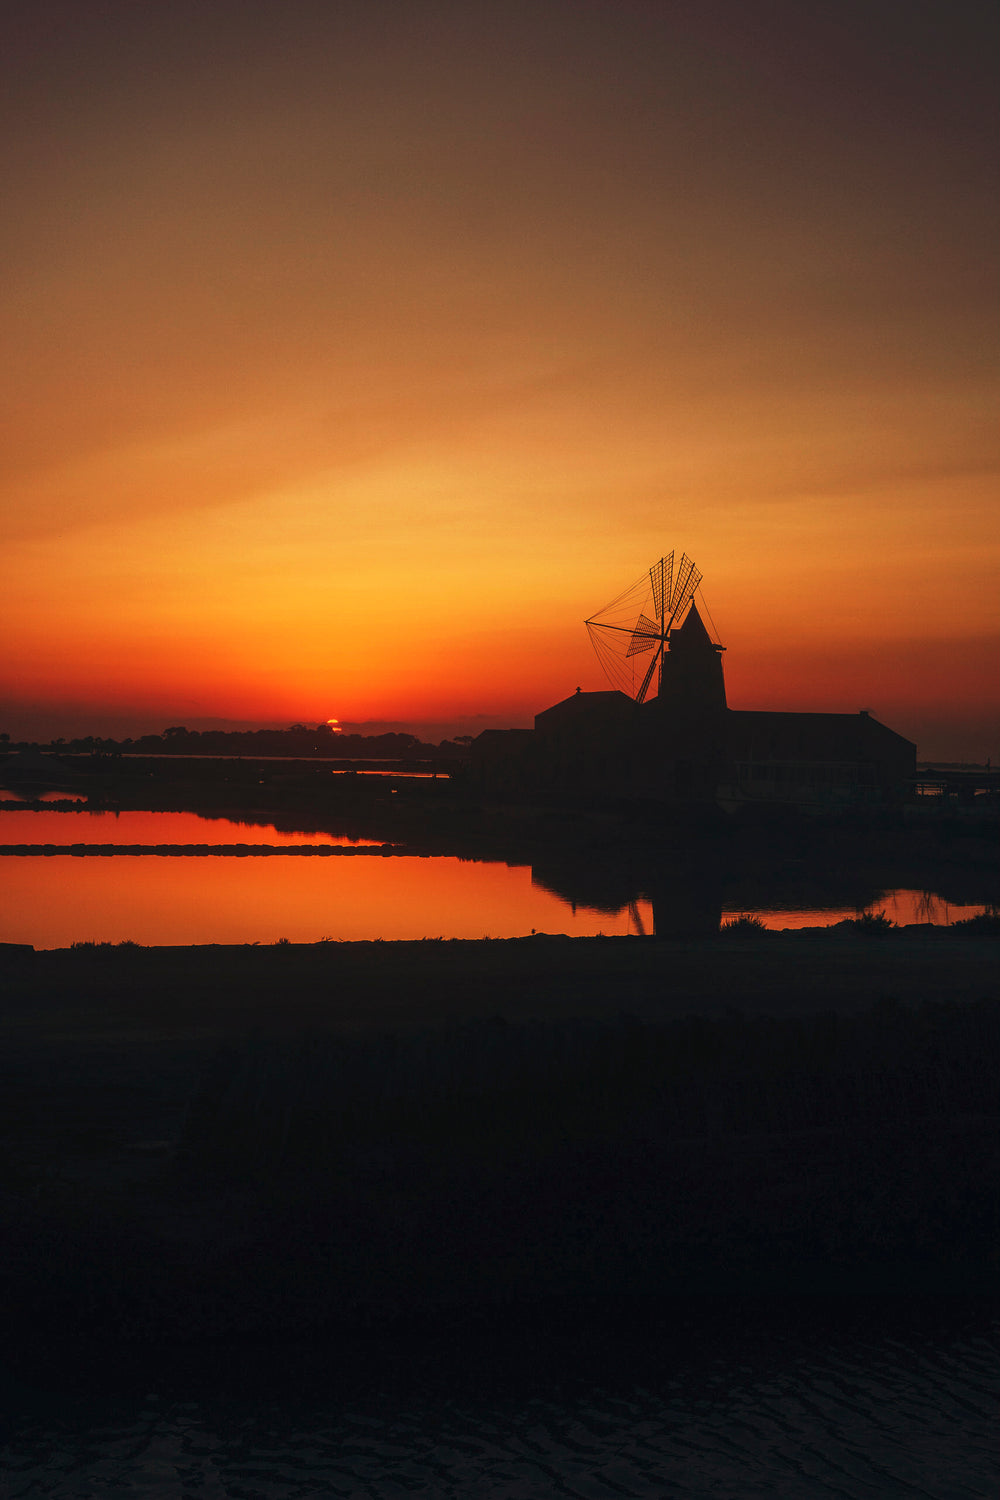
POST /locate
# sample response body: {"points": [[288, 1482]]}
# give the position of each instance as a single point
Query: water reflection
{"points": [[56, 900], [361, 892], [766, 1410], [25, 799], [668, 903], [692, 899], [87, 825], [52, 901]]}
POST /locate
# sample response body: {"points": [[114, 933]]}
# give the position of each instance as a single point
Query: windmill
{"points": [[640, 620]]}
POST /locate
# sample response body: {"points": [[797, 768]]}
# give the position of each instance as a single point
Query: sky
{"points": [[356, 353]]}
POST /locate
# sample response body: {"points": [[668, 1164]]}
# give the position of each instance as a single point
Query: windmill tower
{"points": [[655, 627]]}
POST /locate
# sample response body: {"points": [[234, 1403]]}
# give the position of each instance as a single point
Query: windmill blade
{"points": [[682, 582], [607, 644], [685, 585], [661, 577], [628, 630], [638, 621], [645, 636], [625, 606], [640, 696]]}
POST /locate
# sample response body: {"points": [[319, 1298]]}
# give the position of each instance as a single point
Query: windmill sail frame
{"points": [[665, 592]]}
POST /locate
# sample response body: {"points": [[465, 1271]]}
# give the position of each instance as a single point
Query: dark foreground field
{"points": [[208, 1141]]}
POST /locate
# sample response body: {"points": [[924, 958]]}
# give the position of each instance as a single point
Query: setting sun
{"points": [[373, 364]]}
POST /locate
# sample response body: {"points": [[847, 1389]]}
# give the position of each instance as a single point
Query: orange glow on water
{"points": [[904, 908], [26, 826], [52, 901]]}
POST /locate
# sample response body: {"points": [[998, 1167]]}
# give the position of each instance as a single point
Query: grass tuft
{"points": [[871, 923], [984, 924], [127, 945], [745, 925]]}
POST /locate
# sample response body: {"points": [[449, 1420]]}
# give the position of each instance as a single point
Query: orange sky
{"points": [[356, 353]]}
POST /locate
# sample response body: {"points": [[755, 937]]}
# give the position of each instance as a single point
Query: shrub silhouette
{"points": [[871, 923], [985, 923], [745, 925]]}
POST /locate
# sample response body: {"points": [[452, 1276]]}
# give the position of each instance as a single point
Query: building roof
{"points": [[692, 632], [595, 708], [761, 734]]}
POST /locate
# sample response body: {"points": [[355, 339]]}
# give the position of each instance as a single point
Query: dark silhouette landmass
{"points": [[300, 740], [199, 1142], [599, 852]]}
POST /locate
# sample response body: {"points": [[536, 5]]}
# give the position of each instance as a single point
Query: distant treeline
{"points": [[298, 740]]}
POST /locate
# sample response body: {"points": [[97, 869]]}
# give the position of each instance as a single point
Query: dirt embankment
{"points": [[212, 1140]]}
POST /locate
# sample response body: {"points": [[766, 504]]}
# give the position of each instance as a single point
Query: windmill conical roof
{"points": [[692, 632]]}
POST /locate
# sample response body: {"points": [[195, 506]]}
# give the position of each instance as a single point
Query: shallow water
{"points": [[51, 901], [87, 826], [845, 1405], [164, 898]]}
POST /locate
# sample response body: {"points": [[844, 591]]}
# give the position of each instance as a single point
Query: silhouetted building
{"points": [[692, 683], [819, 759], [686, 744], [585, 742], [31, 773]]}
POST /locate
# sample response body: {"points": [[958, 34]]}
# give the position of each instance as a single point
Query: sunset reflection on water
{"points": [[51, 901], [27, 826]]}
